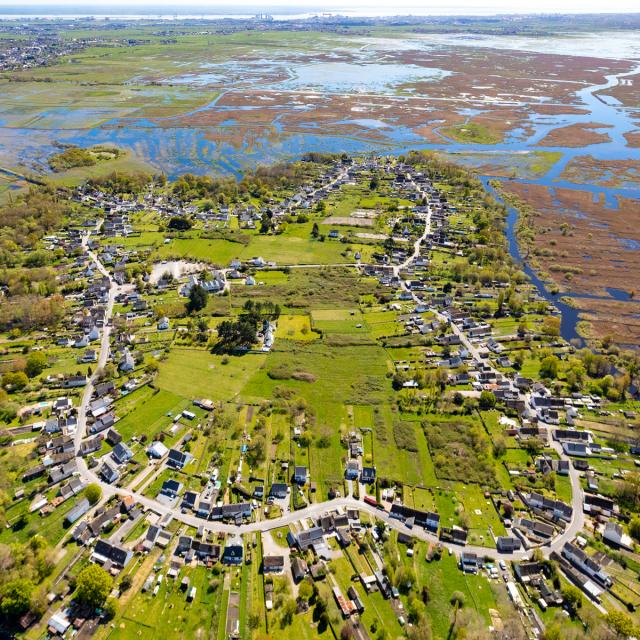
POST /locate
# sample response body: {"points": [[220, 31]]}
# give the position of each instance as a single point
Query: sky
{"points": [[359, 7]]}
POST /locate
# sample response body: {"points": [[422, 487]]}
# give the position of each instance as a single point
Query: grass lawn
{"points": [[295, 327], [376, 610], [51, 527], [215, 251], [443, 578], [563, 488], [196, 373], [149, 415], [339, 321], [169, 613]]}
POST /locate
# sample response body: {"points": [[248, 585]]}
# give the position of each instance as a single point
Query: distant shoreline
{"points": [[276, 13]]}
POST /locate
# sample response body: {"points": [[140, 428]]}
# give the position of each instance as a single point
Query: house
{"points": [[104, 388], [539, 531], [189, 500], [573, 435], [233, 552], [113, 437], [310, 537], [300, 475], [614, 534], [105, 421], [299, 569], [171, 488], [584, 563], [204, 508], [470, 562], [109, 473], [78, 511], [355, 599], [163, 324], [177, 459], [127, 363], [352, 470], [72, 488], [508, 544], [368, 475], [597, 504], [576, 449], [455, 535], [231, 512], [59, 623], [62, 472], [556, 508], [272, 564], [279, 490], [105, 551], [34, 472], [72, 382], [90, 355], [408, 515], [157, 450], [121, 453]]}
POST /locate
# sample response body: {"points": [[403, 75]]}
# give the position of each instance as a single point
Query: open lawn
{"points": [[169, 613], [196, 373], [149, 413], [295, 327]]}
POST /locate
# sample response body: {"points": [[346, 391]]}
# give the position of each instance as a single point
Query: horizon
{"points": [[242, 8]]}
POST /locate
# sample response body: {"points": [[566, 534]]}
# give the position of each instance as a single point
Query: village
{"points": [[130, 438]]}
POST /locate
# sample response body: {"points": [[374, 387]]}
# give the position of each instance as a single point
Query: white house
{"points": [[614, 534]]}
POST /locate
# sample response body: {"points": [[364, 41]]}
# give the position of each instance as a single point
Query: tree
{"points": [[620, 623], [305, 591], [634, 528], [15, 598], [126, 582], [549, 367], [551, 326], [572, 598], [36, 364], [487, 400], [288, 611], [242, 333], [93, 493], [254, 621], [256, 451], [315, 230], [197, 299], [457, 602], [346, 633], [499, 447], [15, 380], [93, 586], [179, 223]]}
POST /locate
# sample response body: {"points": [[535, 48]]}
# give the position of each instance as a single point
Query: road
{"points": [[315, 510]]}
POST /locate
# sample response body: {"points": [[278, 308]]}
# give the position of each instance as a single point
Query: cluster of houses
{"points": [[55, 457], [38, 51], [309, 551]]}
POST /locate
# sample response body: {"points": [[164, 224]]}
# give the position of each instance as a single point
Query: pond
{"points": [[348, 77]]}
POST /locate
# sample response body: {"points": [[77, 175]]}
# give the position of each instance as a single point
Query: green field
{"points": [[195, 373]]}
